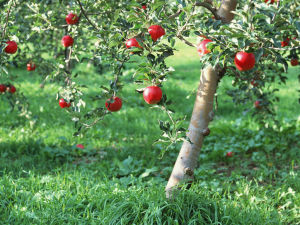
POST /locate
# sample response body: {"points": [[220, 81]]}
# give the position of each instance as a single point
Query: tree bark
{"points": [[187, 159]]}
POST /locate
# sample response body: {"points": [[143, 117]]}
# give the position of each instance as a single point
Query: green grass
{"points": [[119, 179]]}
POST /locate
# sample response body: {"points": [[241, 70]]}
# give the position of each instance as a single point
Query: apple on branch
{"points": [[254, 83], [11, 47], [286, 42], [12, 89], [31, 66], [156, 31], [2, 88], [72, 19], [113, 104], [81, 146], [63, 103], [294, 62], [229, 154], [257, 104], [152, 94], [244, 61], [202, 49], [67, 41]]}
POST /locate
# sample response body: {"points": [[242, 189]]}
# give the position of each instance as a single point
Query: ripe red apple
{"points": [[254, 83], [80, 146], [31, 66], [257, 104], [67, 41], [2, 88], [202, 50], [63, 104], [11, 47], [229, 154], [156, 32], [114, 106], [72, 18], [152, 94], [286, 42], [12, 89], [206, 132], [272, 1], [244, 61], [294, 62], [132, 42]]}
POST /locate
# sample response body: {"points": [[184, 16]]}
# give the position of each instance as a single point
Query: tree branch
{"points": [[175, 14], [5, 26], [210, 8], [186, 41], [85, 15]]}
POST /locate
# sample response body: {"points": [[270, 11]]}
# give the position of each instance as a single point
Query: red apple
{"points": [[72, 18], [63, 104], [294, 62], [152, 94], [254, 83], [12, 89], [114, 106], [229, 154], [80, 146], [272, 1], [67, 41], [202, 50], [286, 42], [206, 132], [257, 104], [244, 61], [11, 47], [132, 42], [156, 32], [2, 88], [31, 66]]}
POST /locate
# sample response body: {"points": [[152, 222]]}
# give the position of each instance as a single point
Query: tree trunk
{"points": [[187, 159]]}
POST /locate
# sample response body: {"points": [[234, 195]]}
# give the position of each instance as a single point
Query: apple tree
{"points": [[250, 41]]}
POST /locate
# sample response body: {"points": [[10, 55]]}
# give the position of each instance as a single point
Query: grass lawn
{"points": [[119, 178]]}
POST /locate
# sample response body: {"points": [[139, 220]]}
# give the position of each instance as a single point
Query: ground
{"points": [[119, 177]]}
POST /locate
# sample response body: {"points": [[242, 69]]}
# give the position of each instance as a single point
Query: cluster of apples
{"points": [[243, 61], [67, 40], [7, 88], [151, 94], [286, 42], [12, 48]]}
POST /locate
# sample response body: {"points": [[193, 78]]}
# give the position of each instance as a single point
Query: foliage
{"points": [[104, 27]]}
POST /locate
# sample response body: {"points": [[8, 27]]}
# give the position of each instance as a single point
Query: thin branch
{"points": [[179, 33], [175, 15], [273, 19], [85, 15], [186, 41], [5, 26], [210, 8]]}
